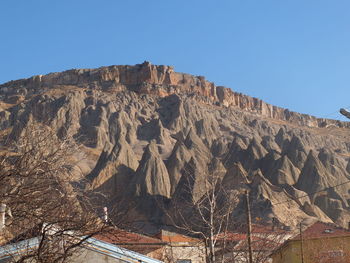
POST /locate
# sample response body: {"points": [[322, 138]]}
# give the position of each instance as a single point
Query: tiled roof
{"points": [[141, 243], [172, 237], [231, 236], [263, 238], [318, 230], [259, 244], [323, 230], [242, 237], [261, 230], [132, 241], [119, 236]]}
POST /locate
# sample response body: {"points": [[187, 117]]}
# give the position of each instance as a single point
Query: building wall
{"points": [[184, 251], [329, 250], [89, 256], [288, 254], [242, 257], [82, 256], [157, 253]]}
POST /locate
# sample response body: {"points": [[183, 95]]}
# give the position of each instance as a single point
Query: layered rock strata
{"points": [[161, 81]]}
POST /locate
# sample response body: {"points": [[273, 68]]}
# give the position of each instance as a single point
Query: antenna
{"points": [[345, 112], [105, 214], [2, 216]]}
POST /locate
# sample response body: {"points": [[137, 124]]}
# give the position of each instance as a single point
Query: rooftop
{"points": [[172, 237], [132, 241], [323, 230], [119, 236]]}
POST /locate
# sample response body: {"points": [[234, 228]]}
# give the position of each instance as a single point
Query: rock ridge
{"points": [[147, 134], [162, 81]]}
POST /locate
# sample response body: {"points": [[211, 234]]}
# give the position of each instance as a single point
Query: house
{"points": [[113, 245], [233, 246], [181, 248], [166, 246], [92, 251], [320, 242], [149, 246]]}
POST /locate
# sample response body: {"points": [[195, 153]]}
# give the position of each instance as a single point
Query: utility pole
{"points": [[301, 244], [249, 227]]}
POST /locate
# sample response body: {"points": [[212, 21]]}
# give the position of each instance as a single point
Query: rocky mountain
{"points": [[140, 127]]}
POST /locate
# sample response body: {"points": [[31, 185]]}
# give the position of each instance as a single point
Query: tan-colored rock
{"points": [[152, 177], [142, 128], [163, 81]]}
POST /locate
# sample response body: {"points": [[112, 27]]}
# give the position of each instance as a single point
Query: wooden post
{"points": [[249, 227], [301, 244]]}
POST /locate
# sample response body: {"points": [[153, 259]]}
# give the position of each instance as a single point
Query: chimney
{"points": [[105, 213], [2, 216]]}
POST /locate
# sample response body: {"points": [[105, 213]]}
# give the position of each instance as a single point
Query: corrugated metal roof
{"points": [[117, 252], [19, 247], [99, 246]]}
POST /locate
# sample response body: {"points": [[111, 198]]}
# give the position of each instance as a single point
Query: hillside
{"points": [[140, 126]]}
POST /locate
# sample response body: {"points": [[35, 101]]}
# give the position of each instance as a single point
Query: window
{"points": [[331, 255], [335, 253], [183, 261], [328, 231]]}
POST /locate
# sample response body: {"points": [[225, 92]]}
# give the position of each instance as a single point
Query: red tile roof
{"points": [[318, 230], [119, 236], [242, 237], [259, 244], [141, 243], [261, 230], [172, 237], [323, 230], [231, 236], [132, 241]]}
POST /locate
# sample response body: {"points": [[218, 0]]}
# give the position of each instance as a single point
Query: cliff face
{"points": [[163, 81], [142, 128]]}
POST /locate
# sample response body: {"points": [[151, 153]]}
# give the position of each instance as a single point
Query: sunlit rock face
{"points": [[142, 128]]}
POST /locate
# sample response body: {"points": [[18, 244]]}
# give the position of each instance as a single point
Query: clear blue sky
{"points": [[290, 53]]}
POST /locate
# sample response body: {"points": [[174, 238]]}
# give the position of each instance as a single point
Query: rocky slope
{"points": [[142, 126]]}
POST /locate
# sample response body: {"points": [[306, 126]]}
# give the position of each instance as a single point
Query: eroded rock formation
{"points": [[143, 128]]}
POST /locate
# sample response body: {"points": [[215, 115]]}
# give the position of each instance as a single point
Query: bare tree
{"points": [[264, 242], [202, 206], [37, 175], [215, 213]]}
